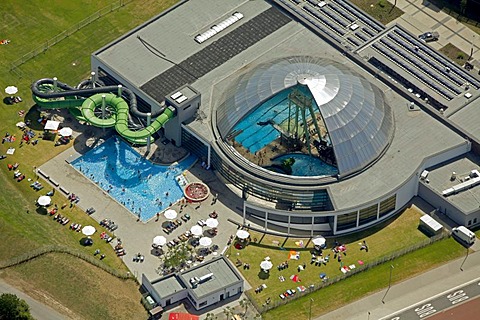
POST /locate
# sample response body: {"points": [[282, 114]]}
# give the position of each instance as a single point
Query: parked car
{"points": [[429, 36]]}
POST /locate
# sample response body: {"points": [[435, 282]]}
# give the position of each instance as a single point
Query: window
{"points": [[475, 220], [202, 304], [368, 214], [347, 221], [387, 205]]}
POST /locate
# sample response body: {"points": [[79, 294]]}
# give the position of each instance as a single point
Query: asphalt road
{"points": [[439, 303], [38, 310]]}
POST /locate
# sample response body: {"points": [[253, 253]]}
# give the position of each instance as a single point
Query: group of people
{"points": [[8, 138]]}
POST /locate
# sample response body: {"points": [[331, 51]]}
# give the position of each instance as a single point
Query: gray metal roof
{"points": [[223, 276], [359, 122], [439, 180], [167, 286]]}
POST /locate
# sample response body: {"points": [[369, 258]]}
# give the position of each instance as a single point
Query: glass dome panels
{"points": [[358, 121]]}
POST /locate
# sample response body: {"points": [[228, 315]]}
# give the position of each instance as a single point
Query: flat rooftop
{"points": [[416, 133], [167, 286], [223, 276], [440, 179]]}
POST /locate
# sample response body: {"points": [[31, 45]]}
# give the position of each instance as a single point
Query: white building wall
{"points": [[215, 297]]}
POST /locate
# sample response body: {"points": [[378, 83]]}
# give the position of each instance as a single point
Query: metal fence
{"points": [[27, 256], [277, 302], [66, 33]]}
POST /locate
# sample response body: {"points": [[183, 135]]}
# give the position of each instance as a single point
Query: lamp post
{"points": [[466, 256], [310, 311], [389, 283]]}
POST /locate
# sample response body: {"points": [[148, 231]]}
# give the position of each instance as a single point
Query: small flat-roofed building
{"points": [[203, 285], [462, 206]]}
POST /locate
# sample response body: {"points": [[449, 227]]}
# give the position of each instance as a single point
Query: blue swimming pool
{"points": [[306, 165], [142, 187], [253, 136]]}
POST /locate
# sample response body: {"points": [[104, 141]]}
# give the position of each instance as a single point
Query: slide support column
{"points": [[149, 120]]}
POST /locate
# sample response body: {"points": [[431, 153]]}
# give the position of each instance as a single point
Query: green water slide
{"points": [[120, 118], [87, 104]]}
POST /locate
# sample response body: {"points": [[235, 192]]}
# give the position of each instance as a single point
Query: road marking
{"points": [[389, 317]]}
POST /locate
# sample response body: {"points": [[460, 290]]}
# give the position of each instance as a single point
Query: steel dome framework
{"points": [[359, 122]]}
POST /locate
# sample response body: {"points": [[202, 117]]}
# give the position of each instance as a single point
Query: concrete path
{"points": [[38, 310], [421, 16]]}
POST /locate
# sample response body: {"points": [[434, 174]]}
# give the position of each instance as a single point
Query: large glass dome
{"points": [[358, 121]]}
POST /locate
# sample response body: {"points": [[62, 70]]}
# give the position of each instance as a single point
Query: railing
{"points": [[27, 256], [314, 287], [66, 33]]}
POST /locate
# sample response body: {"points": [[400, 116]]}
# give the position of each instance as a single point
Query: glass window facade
{"points": [[347, 221], [358, 121], [368, 214], [387, 205], [194, 145]]}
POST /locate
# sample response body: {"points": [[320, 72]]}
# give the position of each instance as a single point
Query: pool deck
{"points": [[137, 236]]}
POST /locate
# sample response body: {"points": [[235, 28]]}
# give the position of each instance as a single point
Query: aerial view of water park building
{"points": [[312, 120], [247, 111]]}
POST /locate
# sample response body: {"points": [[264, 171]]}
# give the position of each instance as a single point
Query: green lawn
{"points": [[370, 281], [24, 227], [454, 53], [383, 240], [382, 10]]}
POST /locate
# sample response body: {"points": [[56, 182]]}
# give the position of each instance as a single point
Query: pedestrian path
{"points": [[422, 16], [412, 291]]}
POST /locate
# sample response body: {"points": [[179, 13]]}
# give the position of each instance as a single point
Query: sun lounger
{"points": [[65, 221]]}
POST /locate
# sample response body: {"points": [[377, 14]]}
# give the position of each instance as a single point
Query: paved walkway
{"points": [[411, 291], [421, 16], [38, 310]]}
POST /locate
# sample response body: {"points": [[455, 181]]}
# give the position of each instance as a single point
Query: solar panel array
{"points": [[425, 64], [216, 53], [339, 19], [343, 22]]}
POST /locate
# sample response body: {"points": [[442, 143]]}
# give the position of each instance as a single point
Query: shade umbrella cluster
{"points": [[88, 230], [44, 200], [170, 214], [159, 240], [11, 90], [211, 223], [243, 234], [196, 230], [266, 265], [66, 132], [205, 241]]}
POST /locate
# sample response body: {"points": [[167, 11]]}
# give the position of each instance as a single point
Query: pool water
{"points": [[142, 187], [253, 136], [306, 165]]}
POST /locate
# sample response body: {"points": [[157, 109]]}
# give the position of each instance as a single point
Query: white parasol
{"points": [[319, 241], [205, 241], [44, 200], [159, 240], [266, 265], [11, 90], [170, 214], [211, 223], [196, 230], [243, 234], [88, 230], [66, 132]]}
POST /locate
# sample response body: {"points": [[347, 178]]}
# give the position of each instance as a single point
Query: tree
{"points": [[244, 303], [210, 316], [228, 312], [12, 307], [177, 256]]}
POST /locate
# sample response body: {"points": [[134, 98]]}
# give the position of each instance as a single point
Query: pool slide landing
{"points": [[82, 103]]}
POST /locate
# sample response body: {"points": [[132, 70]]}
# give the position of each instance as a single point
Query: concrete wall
{"points": [[97, 63], [215, 297]]}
